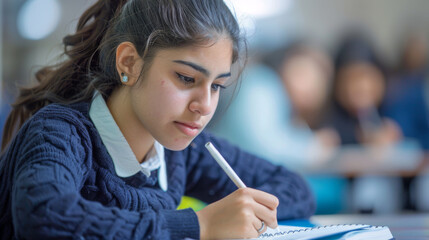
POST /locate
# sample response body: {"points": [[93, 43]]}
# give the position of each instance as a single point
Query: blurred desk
{"points": [[404, 160], [413, 226]]}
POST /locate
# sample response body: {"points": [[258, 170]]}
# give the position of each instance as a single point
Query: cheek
{"points": [[169, 97]]}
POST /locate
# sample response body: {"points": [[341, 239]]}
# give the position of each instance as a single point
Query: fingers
{"points": [[266, 199], [264, 207], [269, 216], [239, 215]]}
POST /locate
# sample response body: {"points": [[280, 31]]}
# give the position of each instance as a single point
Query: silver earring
{"points": [[124, 77]]}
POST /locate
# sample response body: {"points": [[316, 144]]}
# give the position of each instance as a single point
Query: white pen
{"points": [[224, 165], [227, 168]]}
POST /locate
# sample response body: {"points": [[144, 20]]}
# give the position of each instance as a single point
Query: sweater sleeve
{"points": [[207, 181], [46, 202]]}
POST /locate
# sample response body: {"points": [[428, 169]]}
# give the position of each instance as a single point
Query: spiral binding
{"points": [[277, 234]]}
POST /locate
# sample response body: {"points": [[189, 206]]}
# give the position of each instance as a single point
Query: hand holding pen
{"points": [[245, 213]]}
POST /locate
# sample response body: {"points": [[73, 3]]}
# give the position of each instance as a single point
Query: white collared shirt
{"points": [[124, 160]]}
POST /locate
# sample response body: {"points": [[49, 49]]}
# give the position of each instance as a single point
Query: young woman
{"points": [[109, 144], [358, 91]]}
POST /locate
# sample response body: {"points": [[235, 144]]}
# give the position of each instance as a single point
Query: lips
{"points": [[189, 129]]}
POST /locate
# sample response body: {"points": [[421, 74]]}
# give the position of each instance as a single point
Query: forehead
{"points": [[215, 55]]}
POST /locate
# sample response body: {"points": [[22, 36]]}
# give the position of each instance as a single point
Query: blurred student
{"points": [[306, 73], [407, 93], [414, 54], [407, 102], [358, 91]]}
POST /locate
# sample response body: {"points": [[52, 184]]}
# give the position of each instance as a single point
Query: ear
{"points": [[129, 62]]}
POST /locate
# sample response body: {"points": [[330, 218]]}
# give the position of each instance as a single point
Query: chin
{"points": [[177, 144]]}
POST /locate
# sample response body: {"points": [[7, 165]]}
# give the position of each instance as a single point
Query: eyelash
{"points": [[189, 80], [216, 87], [186, 80]]}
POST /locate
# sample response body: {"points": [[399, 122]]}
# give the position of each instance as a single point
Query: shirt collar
{"points": [[123, 157]]}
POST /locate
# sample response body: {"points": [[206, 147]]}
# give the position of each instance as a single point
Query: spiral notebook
{"points": [[330, 232]]}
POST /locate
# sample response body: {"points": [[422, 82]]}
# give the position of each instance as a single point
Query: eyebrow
{"points": [[201, 69]]}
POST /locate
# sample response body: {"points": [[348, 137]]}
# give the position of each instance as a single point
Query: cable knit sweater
{"points": [[58, 181]]}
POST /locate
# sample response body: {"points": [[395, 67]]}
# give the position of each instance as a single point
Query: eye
{"points": [[186, 80], [216, 87]]}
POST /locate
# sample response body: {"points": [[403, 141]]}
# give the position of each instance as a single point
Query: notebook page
{"points": [[311, 233], [369, 233], [283, 228]]}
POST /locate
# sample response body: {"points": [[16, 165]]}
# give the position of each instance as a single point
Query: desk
{"points": [[392, 170], [404, 160], [412, 226]]}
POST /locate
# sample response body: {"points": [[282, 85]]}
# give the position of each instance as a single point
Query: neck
{"points": [[139, 139], [311, 118]]}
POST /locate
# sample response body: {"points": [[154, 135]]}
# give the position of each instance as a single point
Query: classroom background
{"points": [[336, 90]]}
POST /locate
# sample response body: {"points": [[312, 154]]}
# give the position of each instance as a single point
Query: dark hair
{"points": [[357, 47], [149, 24]]}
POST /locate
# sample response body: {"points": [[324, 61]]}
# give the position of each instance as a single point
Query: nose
{"points": [[202, 101]]}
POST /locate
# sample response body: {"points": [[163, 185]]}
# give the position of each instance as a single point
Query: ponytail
{"points": [[70, 80]]}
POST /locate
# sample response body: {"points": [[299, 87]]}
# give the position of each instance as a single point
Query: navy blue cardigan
{"points": [[58, 181]]}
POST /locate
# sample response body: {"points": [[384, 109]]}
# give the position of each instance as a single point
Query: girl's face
{"points": [[360, 87], [306, 83], [178, 95]]}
